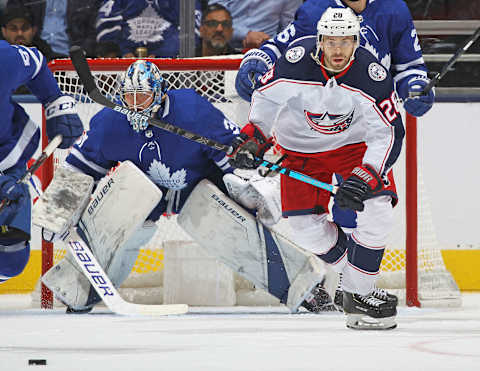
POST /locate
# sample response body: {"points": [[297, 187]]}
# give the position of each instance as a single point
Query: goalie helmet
{"points": [[337, 22], [142, 88]]}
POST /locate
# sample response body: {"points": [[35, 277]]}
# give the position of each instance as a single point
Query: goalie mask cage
{"points": [[412, 266]]}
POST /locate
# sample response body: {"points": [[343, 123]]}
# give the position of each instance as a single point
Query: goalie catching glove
{"points": [[360, 186], [249, 148]]}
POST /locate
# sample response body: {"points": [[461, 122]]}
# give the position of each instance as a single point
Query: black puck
{"points": [[41, 362]]}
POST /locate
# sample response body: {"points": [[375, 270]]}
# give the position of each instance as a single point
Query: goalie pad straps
{"points": [[265, 258]]}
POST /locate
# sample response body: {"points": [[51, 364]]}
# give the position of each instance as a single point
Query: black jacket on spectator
{"points": [[81, 17]]}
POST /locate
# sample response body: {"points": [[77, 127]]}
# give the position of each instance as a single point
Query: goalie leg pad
{"points": [[64, 201], [118, 209], [264, 257]]}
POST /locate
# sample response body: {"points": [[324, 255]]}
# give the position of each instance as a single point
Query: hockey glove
{"points": [[62, 118], [249, 148], [420, 104], [12, 192], [254, 64], [360, 186]]}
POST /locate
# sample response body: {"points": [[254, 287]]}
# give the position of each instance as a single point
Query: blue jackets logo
{"points": [[328, 123]]}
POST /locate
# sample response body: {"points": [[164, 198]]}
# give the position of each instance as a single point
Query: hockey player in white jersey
{"points": [[177, 168], [331, 107], [386, 30], [19, 139]]}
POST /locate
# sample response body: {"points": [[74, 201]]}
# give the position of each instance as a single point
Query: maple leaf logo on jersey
{"points": [[327, 123], [147, 27], [160, 174]]}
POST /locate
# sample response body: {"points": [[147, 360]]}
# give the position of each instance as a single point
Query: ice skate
{"points": [[368, 313]]}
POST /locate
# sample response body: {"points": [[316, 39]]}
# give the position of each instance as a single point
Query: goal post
{"points": [[415, 271]]}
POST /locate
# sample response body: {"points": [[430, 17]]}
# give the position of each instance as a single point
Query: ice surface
{"points": [[239, 338]]}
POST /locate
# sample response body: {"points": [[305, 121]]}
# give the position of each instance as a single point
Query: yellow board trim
{"points": [[463, 264]]}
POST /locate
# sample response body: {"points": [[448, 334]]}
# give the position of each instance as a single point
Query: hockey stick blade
{"points": [[49, 149], [84, 73], [466, 45], [104, 287]]}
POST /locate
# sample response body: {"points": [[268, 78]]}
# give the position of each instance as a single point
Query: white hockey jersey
{"points": [[309, 112]]}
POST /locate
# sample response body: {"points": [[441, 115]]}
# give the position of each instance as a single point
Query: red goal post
{"points": [[214, 79]]}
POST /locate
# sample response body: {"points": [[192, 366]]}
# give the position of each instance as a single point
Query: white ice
{"points": [[239, 338]]}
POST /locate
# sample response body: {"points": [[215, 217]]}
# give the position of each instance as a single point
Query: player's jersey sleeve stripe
{"points": [[404, 66], [102, 34], [20, 147], [75, 153], [406, 73], [110, 19], [223, 164], [274, 49], [37, 59]]}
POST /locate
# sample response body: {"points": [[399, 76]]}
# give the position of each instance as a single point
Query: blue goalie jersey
{"points": [[386, 31], [173, 162]]}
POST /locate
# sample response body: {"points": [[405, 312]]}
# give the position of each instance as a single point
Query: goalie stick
{"points": [[449, 64], [104, 287], [81, 66], [49, 149]]}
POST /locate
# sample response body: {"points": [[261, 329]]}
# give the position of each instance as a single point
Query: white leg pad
{"points": [[64, 201], [113, 227], [228, 232]]}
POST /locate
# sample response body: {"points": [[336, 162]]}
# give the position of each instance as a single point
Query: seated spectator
{"points": [[18, 28], [215, 32], [64, 23], [134, 24], [256, 21]]}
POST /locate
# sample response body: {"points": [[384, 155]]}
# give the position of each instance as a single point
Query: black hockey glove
{"points": [[360, 186], [249, 148]]}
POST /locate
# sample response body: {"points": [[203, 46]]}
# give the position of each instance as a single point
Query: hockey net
{"points": [[429, 282]]}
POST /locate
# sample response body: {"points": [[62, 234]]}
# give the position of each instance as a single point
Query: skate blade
{"points": [[363, 322]]}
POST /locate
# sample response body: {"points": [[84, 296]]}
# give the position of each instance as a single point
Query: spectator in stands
{"points": [[215, 32], [64, 23], [255, 21], [18, 28], [149, 24]]}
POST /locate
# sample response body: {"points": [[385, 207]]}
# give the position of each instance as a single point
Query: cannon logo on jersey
{"points": [[377, 72], [295, 54], [327, 123]]}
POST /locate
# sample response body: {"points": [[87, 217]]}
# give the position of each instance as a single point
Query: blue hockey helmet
{"points": [[142, 88]]}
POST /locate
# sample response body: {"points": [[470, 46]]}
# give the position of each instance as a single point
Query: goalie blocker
{"points": [[232, 235]]}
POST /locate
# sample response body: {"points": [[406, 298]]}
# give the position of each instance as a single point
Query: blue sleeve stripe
{"points": [[75, 164], [38, 60], [223, 164], [404, 66], [107, 31], [110, 19], [406, 73], [91, 165], [20, 147]]}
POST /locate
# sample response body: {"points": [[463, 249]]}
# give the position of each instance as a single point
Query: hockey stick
{"points": [[104, 287], [52, 146], [81, 66], [449, 64]]}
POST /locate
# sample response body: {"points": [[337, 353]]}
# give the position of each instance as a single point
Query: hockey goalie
{"points": [[161, 173]]}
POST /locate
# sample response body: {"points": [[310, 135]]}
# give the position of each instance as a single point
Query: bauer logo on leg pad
{"points": [[90, 268]]}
